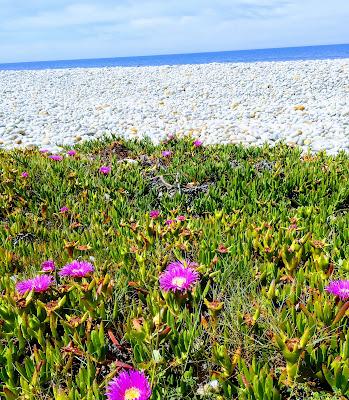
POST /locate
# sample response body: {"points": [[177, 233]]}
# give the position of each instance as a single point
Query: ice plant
{"points": [[129, 385], [56, 157], [63, 209], [39, 284], [77, 269], [197, 143], [154, 214], [181, 218], [71, 153], [48, 266], [105, 170], [166, 153], [170, 221], [24, 174], [178, 276], [339, 288]]}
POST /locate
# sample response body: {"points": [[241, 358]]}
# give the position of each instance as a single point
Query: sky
{"points": [[33, 30]]}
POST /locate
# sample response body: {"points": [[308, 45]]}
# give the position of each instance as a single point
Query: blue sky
{"points": [[68, 29]]}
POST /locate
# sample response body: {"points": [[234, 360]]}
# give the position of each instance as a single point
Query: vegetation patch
{"points": [[134, 271]]}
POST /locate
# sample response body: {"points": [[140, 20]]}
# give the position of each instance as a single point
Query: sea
{"points": [[236, 56]]}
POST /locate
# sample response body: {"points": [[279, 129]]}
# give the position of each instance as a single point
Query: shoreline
{"points": [[122, 67], [303, 103]]}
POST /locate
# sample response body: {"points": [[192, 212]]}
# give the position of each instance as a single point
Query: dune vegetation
{"points": [[177, 271]]}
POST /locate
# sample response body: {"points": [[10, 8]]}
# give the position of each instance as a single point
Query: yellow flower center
{"points": [[178, 281], [132, 394]]}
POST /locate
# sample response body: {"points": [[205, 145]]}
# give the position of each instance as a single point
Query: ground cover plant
{"points": [[178, 271]]}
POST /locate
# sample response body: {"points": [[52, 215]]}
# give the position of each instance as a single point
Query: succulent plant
{"points": [[254, 314]]}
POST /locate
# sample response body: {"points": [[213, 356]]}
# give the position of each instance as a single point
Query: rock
{"points": [[220, 103], [274, 136], [128, 160], [31, 146], [249, 138], [320, 145]]}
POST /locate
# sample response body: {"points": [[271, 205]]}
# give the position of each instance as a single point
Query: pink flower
{"points": [[39, 284], [63, 209], [166, 153], [56, 157], [181, 218], [153, 214], [129, 385], [77, 269], [48, 266], [179, 276], [197, 143], [71, 153], [43, 150], [105, 170], [170, 221], [24, 174], [339, 288]]}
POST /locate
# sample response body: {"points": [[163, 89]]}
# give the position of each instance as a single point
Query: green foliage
{"points": [[267, 228]]}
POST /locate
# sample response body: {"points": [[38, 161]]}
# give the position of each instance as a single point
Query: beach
{"points": [[304, 103]]}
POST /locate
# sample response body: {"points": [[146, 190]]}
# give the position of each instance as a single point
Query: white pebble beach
{"points": [[304, 103]]}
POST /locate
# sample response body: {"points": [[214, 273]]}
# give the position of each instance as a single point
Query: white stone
{"points": [[251, 103], [319, 145]]}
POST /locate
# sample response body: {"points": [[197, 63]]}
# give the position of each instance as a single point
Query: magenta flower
{"points": [[129, 385], [63, 209], [179, 276], [71, 153], [39, 284], [56, 157], [153, 214], [181, 218], [43, 151], [48, 266], [339, 288], [197, 143], [24, 174], [170, 221], [105, 170], [77, 269], [166, 153]]}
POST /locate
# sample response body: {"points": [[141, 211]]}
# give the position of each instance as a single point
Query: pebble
{"points": [[319, 145], [302, 103]]}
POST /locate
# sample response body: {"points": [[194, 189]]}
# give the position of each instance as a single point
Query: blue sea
{"points": [[279, 54]]}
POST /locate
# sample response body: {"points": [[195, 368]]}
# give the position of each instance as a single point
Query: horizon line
{"points": [[173, 54]]}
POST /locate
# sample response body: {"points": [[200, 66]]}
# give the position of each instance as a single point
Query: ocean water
{"points": [[279, 54]]}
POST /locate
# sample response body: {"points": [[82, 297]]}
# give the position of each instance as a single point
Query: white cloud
{"points": [[74, 14], [57, 29]]}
